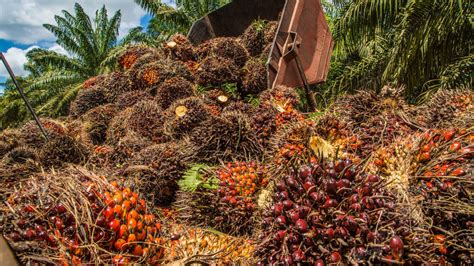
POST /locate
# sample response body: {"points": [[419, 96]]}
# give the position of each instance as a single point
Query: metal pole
{"points": [[28, 105]]}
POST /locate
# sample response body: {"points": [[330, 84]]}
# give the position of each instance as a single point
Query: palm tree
{"points": [[12, 108], [420, 44], [168, 19], [58, 77]]}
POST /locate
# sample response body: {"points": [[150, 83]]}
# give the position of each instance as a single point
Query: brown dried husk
{"points": [[129, 99], [96, 121], [132, 53], [224, 47], [227, 137], [177, 127], [216, 71], [62, 150], [254, 78], [116, 84], [182, 51], [172, 90], [86, 100]]}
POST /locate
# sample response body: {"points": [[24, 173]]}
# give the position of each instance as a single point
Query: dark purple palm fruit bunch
{"points": [[330, 212]]}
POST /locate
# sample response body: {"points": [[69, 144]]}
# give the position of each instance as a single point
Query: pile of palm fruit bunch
{"points": [[183, 155]]}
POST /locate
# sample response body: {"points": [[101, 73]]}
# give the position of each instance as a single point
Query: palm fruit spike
{"points": [[184, 115], [86, 100], [179, 48], [224, 47], [20, 155], [31, 135], [79, 217], [132, 53], [172, 90], [322, 213], [215, 71], [129, 99], [447, 105], [196, 245], [118, 127], [254, 78]]}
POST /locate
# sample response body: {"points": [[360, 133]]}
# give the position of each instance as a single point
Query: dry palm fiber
{"points": [[226, 137], [197, 246], [215, 71], [148, 182], [151, 75], [86, 100], [9, 139], [146, 119], [280, 97], [31, 135], [132, 53], [184, 115], [172, 90], [179, 48], [129, 99], [224, 47], [447, 105], [58, 218], [96, 122], [20, 155], [115, 85], [63, 149], [254, 78]]}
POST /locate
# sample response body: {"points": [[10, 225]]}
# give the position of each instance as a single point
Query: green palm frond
{"points": [[196, 177]]}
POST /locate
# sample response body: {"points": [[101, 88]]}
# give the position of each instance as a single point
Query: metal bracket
{"points": [[28, 105], [290, 52]]}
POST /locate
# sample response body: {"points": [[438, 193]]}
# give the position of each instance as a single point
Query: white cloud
{"points": [[58, 49], [21, 20], [16, 57]]}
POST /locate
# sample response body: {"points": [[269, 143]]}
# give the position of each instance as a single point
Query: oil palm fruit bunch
{"points": [[152, 74], [86, 100], [146, 119], [224, 198], [31, 135], [20, 155], [173, 89], [61, 150], [132, 53], [179, 48], [127, 147], [264, 124], [129, 99], [254, 76], [216, 71], [76, 217], [134, 72], [290, 144], [184, 115], [96, 122], [441, 183], [94, 81], [448, 105], [331, 212], [196, 245], [9, 139], [224, 47], [116, 84], [257, 36], [289, 115], [280, 97], [225, 137]]}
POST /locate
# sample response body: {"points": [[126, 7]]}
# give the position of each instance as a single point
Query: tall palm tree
{"points": [[168, 19], [12, 108], [58, 77], [420, 44]]}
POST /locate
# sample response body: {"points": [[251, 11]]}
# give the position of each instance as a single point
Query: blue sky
{"points": [[21, 25]]}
